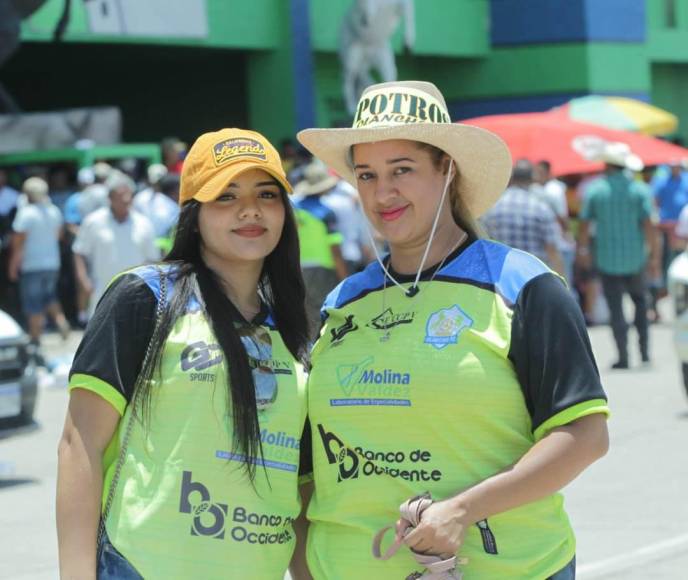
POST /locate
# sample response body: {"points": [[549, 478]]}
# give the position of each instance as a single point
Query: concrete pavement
{"points": [[630, 510]]}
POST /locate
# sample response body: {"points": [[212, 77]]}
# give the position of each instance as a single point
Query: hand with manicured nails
{"points": [[441, 530]]}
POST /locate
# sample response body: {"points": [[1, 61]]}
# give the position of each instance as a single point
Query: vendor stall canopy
{"points": [[620, 113]]}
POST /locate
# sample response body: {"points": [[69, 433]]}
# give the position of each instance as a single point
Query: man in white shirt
{"points": [[112, 239], [155, 205], [553, 193], [95, 195], [553, 190]]}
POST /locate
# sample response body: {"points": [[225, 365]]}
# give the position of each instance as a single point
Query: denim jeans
{"points": [[38, 290], [113, 566], [566, 573]]}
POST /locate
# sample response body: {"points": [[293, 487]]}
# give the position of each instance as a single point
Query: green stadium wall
{"points": [[251, 71]]}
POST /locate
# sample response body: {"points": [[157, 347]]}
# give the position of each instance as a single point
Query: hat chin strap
{"points": [[414, 289]]}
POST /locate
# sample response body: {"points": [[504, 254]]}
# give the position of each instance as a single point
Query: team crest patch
{"points": [[231, 149], [444, 326]]}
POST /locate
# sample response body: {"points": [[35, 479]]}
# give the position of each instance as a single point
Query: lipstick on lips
{"points": [[392, 214], [250, 231]]}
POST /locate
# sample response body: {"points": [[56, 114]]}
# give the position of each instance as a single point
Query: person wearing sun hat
{"points": [[187, 402], [320, 239], [624, 249], [453, 377]]}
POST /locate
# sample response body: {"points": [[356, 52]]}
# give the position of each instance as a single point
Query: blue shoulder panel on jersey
{"points": [[485, 263], [150, 274], [491, 264], [519, 269], [361, 283]]}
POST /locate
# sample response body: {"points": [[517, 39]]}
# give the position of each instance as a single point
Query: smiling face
{"points": [[244, 223], [400, 187]]}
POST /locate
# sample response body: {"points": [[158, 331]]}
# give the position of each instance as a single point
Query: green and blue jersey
{"points": [[438, 392], [184, 507]]}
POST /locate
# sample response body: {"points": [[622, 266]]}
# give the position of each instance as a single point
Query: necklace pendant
{"points": [[385, 337]]}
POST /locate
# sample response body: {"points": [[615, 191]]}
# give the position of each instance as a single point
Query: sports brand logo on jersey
{"points": [[231, 149], [388, 319], [340, 332], [199, 356], [445, 326]]}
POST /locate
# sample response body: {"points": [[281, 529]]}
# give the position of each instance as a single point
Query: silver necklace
{"points": [[386, 336]]}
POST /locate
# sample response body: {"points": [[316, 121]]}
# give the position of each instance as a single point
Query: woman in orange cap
{"points": [[187, 407]]}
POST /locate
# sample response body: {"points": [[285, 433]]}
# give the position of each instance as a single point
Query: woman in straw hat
{"points": [[454, 365], [195, 461]]}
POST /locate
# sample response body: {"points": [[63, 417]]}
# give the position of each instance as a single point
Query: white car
{"points": [[678, 288], [18, 379]]}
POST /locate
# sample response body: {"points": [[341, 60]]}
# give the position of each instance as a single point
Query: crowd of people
{"points": [[62, 242], [608, 235]]}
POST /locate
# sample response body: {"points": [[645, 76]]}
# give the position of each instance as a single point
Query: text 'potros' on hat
{"points": [[416, 110], [218, 157]]}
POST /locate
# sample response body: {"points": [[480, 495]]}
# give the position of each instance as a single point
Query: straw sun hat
{"points": [[609, 152], [316, 180], [416, 111]]}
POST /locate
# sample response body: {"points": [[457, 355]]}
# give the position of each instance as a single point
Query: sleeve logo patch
{"points": [[444, 326], [233, 149]]}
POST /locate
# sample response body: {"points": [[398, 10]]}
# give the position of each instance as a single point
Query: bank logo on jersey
{"points": [[338, 453], [208, 517], [240, 524], [340, 332], [366, 385], [388, 319], [415, 465], [445, 326]]}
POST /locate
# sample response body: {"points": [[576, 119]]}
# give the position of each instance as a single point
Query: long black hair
{"points": [[281, 287]]}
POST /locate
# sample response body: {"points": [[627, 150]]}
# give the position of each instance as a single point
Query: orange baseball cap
{"points": [[218, 157]]}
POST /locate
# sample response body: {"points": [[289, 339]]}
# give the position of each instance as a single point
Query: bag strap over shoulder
{"points": [[159, 311]]}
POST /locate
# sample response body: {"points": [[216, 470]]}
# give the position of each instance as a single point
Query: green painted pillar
{"points": [[280, 81]]}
